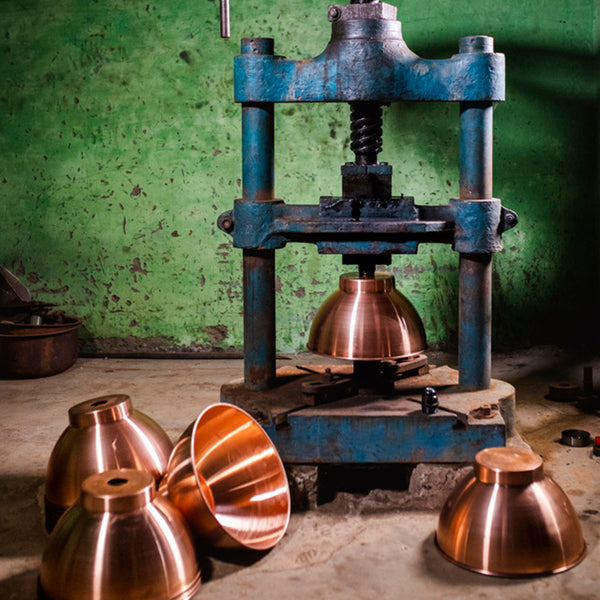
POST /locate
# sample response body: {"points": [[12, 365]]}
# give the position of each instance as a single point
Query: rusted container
{"points": [[29, 351]]}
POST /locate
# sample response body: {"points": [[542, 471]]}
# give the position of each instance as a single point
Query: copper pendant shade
{"points": [[367, 319], [227, 479], [508, 519], [104, 433], [120, 541]]}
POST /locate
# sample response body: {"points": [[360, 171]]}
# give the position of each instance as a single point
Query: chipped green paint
{"points": [[120, 145]]}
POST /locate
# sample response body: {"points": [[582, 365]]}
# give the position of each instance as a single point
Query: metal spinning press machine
{"points": [[386, 404]]}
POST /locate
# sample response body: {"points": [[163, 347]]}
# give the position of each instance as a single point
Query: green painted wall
{"points": [[120, 145]]}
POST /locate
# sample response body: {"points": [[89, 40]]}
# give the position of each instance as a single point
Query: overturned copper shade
{"points": [[104, 433], [227, 479], [508, 519], [367, 319], [120, 541]]}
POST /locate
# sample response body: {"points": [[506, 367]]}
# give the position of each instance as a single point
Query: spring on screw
{"points": [[366, 131]]}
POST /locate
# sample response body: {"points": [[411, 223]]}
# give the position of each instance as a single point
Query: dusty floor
{"points": [[378, 545]]}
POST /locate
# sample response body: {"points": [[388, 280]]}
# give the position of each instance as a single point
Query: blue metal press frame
{"points": [[367, 60]]}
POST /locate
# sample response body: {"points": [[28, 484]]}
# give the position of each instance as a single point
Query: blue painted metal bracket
{"points": [[318, 437], [369, 428], [479, 225], [472, 226], [345, 72]]}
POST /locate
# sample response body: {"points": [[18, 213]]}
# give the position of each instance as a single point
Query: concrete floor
{"points": [[378, 545]]}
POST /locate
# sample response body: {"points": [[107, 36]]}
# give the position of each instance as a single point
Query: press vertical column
{"points": [[258, 265], [475, 270]]}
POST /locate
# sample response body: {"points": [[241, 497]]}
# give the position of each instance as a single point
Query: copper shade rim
{"points": [[509, 575], [186, 594], [189, 592], [202, 486], [367, 358]]}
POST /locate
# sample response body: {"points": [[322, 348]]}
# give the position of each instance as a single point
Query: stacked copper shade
{"points": [[509, 519], [104, 433], [367, 318], [224, 486], [120, 540]]}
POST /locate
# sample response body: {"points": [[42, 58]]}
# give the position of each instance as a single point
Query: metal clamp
{"points": [[479, 225]]}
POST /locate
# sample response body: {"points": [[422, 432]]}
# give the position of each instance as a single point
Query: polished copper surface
{"points": [[509, 519], [104, 433], [226, 477], [367, 319], [30, 351], [120, 541]]}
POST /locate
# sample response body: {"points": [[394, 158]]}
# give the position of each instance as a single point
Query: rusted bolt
{"points": [[226, 224], [429, 401], [334, 13], [485, 411]]}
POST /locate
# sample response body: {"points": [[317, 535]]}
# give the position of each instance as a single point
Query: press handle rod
{"points": [[225, 25]]}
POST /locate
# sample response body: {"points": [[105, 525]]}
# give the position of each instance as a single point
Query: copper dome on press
{"points": [[367, 319]]}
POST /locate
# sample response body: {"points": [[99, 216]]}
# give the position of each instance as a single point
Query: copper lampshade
{"points": [[104, 433], [509, 519], [227, 479], [120, 541], [367, 319]]}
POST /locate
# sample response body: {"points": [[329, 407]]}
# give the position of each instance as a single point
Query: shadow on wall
{"points": [[546, 156]]}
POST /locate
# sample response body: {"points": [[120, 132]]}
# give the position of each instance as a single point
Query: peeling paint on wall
{"points": [[120, 146]]}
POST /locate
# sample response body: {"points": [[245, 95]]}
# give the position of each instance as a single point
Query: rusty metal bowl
{"points": [[227, 479], [509, 519], [120, 541], [104, 433], [30, 351]]}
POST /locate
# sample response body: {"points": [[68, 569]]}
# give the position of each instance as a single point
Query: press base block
{"points": [[368, 428]]}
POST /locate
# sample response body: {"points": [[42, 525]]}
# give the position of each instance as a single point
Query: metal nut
{"points": [[577, 438], [562, 391], [334, 13]]}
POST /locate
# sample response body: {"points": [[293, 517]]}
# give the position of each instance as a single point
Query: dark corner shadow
{"points": [[436, 567], [217, 563], [22, 532], [23, 586], [550, 91]]}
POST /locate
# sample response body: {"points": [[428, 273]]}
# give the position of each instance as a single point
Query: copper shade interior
{"points": [[367, 319], [508, 519], [226, 476], [104, 433], [120, 541]]}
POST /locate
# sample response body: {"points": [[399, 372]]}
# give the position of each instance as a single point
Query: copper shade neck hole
{"points": [[117, 481], [379, 283], [118, 490], [104, 409], [508, 466]]}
